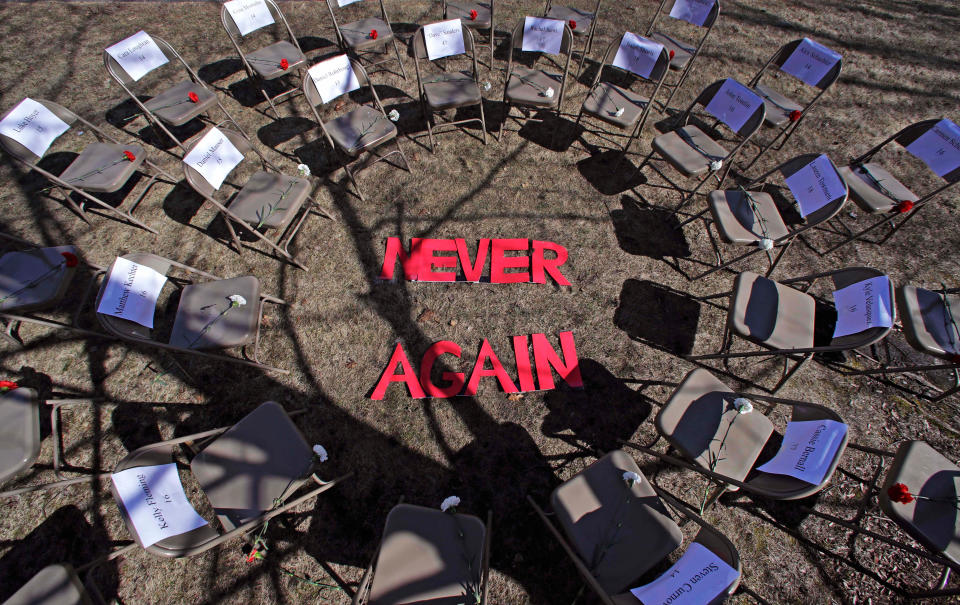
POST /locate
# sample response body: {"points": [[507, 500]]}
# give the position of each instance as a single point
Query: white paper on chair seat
{"points": [[815, 185], [249, 15], [138, 55], [131, 292], [214, 156], [697, 577], [810, 61], [808, 449], [334, 77], [155, 502], [33, 126], [692, 11], [733, 104], [939, 147], [863, 305], [637, 54], [444, 39], [542, 35]]}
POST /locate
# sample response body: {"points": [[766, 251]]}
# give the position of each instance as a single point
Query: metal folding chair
{"points": [[682, 54], [582, 24], [361, 37], [475, 15]]}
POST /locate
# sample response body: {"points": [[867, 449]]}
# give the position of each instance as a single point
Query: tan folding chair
{"points": [[682, 54], [361, 37], [56, 584], [788, 322], [205, 319], [267, 62], [101, 167], [428, 556], [475, 15], [527, 87], [615, 532], [267, 200], [175, 105], [582, 23], [361, 129], [447, 90]]}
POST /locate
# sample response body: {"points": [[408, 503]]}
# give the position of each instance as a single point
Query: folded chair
{"points": [[268, 200], [428, 556], [361, 129], [279, 59], [788, 322], [750, 215], [205, 319], [878, 193], [529, 87], [582, 23], [784, 114], [475, 15], [615, 532], [447, 90], [682, 54], [174, 105], [101, 167], [361, 37]]}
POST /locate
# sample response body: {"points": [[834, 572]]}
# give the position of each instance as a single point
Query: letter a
{"points": [[486, 352], [408, 376]]}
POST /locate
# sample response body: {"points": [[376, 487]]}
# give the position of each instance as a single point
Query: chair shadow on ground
{"points": [[648, 231], [608, 171], [544, 128], [644, 304]]}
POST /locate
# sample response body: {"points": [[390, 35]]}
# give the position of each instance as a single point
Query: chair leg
{"points": [[429, 119], [356, 186], [789, 374], [396, 49], [266, 96], [483, 122], [506, 116]]}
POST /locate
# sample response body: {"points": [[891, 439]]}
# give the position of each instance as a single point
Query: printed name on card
{"points": [[863, 305], [155, 502], [810, 62], [249, 15], [334, 77], [733, 104], [214, 156], [808, 449], [444, 39], [699, 576], [33, 126], [138, 55], [542, 35], [131, 292], [815, 185], [694, 12], [939, 148], [637, 54]]}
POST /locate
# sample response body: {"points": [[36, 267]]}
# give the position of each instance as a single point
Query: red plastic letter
{"points": [[426, 367], [408, 376], [472, 271], [521, 353], [428, 261], [545, 357], [486, 352], [410, 262], [499, 262], [552, 265]]}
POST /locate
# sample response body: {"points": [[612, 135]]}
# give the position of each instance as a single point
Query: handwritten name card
{"points": [[131, 292], [542, 35], [939, 147], [214, 156], [810, 62], [138, 55], [815, 185], [733, 104], [444, 39], [155, 502], [249, 15], [637, 54], [694, 12], [808, 449], [863, 305], [33, 126], [699, 576], [334, 77]]}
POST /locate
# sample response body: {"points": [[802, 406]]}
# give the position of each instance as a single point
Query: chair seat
{"points": [[689, 150], [583, 18], [18, 269], [682, 52], [461, 10], [927, 473], [266, 61], [174, 106], [868, 195], [360, 129], [452, 90], [926, 325], [423, 559], [260, 459], [771, 314], [19, 431], [738, 222], [603, 101], [778, 107], [269, 199], [701, 422], [200, 304], [102, 167], [357, 34], [619, 532], [53, 585], [526, 87]]}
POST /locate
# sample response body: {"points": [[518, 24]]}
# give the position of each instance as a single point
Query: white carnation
{"points": [[548, 92], [449, 502], [743, 405], [394, 115], [303, 170], [619, 112], [716, 165], [237, 301], [487, 86], [631, 477], [320, 452], [765, 243]]}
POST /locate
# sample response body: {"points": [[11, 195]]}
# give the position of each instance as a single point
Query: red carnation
{"points": [[129, 155], [795, 115], [572, 24], [899, 492], [193, 97], [70, 259], [6, 385], [284, 64], [373, 34], [904, 207], [473, 15], [672, 54]]}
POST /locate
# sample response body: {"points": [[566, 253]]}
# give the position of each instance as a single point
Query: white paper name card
{"points": [[698, 577], [863, 305], [343, 3], [334, 77], [815, 185], [808, 449], [692, 11], [138, 55], [542, 35], [444, 39], [33, 126], [132, 291], [249, 15], [637, 55], [939, 147], [214, 156], [155, 502], [810, 62], [733, 104]]}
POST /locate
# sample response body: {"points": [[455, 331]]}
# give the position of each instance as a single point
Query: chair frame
{"points": [[708, 24], [346, 48], [588, 44], [491, 33]]}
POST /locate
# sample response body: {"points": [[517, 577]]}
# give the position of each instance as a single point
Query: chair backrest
{"points": [[516, 39], [595, 13], [849, 276], [124, 328], [832, 207], [708, 23], [17, 150], [750, 125], [913, 132], [660, 68], [117, 72], [233, 32], [314, 100], [780, 57], [333, 6], [420, 52], [196, 181]]}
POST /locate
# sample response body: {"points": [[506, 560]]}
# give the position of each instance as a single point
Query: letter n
{"points": [[545, 358], [408, 376], [410, 262]]}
